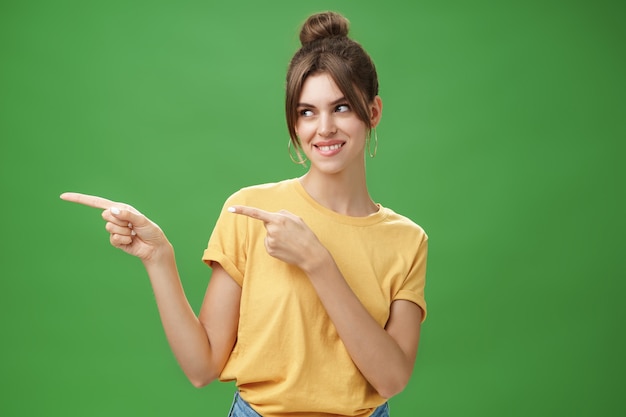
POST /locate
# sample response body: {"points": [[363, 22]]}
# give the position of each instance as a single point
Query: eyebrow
{"points": [[334, 103]]}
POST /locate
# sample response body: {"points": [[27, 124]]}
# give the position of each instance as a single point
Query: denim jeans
{"points": [[240, 408]]}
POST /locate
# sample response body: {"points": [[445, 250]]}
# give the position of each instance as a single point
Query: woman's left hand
{"points": [[288, 237]]}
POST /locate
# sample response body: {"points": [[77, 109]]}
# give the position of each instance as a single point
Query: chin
{"points": [[327, 169]]}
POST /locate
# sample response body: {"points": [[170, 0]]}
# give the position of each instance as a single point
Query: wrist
{"points": [[161, 254], [317, 261]]}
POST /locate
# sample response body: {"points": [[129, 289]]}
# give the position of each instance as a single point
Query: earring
{"points": [[299, 160], [369, 142]]}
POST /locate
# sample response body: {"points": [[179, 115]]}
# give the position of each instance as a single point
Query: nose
{"points": [[326, 125]]}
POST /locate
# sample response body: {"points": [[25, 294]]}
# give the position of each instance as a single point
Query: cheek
{"points": [[303, 130], [357, 129]]}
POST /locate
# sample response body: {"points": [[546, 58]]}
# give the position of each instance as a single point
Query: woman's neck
{"points": [[341, 193]]}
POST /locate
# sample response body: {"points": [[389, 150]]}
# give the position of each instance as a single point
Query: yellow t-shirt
{"points": [[288, 359]]}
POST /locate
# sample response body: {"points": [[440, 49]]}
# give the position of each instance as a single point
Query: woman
{"points": [[317, 293]]}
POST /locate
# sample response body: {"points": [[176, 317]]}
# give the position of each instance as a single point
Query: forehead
{"points": [[320, 88]]}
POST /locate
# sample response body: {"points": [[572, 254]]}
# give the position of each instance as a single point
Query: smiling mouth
{"points": [[329, 147]]}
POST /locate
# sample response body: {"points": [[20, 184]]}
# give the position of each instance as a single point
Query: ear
{"points": [[376, 111]]}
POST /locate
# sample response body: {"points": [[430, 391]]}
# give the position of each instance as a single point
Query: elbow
{"points": [[392, 387], [390, 392], [201, 381]]}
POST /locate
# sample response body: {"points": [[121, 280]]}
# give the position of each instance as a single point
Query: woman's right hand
{"points": [[129, 230]]}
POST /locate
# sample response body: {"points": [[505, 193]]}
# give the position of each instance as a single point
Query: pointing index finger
{"points": [[88, 200], [255, 213]]}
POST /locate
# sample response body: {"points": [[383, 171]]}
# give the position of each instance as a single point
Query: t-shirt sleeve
{"points": [[227, 244], [413, 287]]}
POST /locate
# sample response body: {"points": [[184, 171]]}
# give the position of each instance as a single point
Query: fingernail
{"points": [[115, 210], [133, 233], [232, 209]]}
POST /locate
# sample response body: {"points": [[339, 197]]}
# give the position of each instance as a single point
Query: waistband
{"points": [[240, 408]]}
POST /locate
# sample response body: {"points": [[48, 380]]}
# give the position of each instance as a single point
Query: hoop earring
{"points": [[299, 161], [369, 142]]}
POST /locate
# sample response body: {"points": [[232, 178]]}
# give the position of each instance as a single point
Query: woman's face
{"points": [[331, 135]]}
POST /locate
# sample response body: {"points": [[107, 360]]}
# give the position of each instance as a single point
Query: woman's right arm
{"points": [[201, 344]]}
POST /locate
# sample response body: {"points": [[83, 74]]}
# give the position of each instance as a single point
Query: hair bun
{"points": [[323, 25]]}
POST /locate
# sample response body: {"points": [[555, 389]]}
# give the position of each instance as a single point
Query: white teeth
{"points": [[329, 148]]}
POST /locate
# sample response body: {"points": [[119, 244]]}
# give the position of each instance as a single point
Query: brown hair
{"points": [[327, 48]]}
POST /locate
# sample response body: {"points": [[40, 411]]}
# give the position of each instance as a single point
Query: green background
{"points": [[503, 136]]}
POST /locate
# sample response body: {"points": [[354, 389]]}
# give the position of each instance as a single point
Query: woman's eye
{"points": [[343, 108], [306, 113]]}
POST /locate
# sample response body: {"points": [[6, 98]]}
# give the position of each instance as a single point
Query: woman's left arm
{"points": [[385, 356]]}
